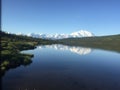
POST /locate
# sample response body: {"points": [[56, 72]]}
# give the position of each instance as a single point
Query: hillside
{"points": [[111, 42], [13, 38]]}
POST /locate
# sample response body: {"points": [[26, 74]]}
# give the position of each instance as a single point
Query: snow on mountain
{"points": [[81, 33]]}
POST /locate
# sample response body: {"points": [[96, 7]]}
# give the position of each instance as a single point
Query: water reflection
{"points": [[74, 49], [55, 69]]}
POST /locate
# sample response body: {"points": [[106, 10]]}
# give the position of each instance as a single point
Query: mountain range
{"points": [[81, 33]]}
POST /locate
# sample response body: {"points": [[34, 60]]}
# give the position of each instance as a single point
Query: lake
{"points": [[62, 67]]}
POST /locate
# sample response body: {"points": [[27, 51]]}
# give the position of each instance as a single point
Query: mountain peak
{"points": [[82, 33]]}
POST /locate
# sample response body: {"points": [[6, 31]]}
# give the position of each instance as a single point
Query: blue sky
{"points": [[101, 17]]}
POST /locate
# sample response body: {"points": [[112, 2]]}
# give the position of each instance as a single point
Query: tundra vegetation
{"points": [[11, 45]]}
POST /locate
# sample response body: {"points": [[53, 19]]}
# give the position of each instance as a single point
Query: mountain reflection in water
{"points": [[74, 49]]}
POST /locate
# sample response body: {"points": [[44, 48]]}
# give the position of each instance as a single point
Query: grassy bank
{"points": [[11, 56], [11, 45]]}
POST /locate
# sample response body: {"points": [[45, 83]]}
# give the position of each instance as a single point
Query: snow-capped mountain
{"points": [[81, 33]]}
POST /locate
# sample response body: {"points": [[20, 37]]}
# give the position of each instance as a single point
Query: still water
{"points": [[60, 67]]}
